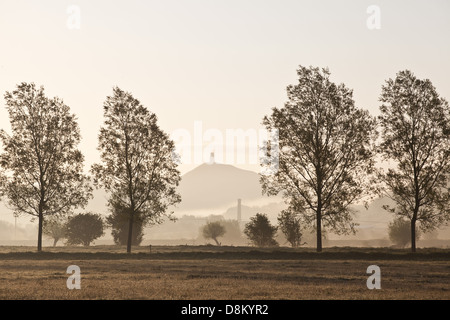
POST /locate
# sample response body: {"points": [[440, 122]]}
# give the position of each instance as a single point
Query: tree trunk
{"points": [[130, 233], [416, 202], [413, 235], [217, 242], [413, 224], [319, 200], [55, 241], [41, 222], [319, 227]]}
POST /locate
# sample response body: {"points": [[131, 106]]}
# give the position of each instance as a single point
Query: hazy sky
{"points": [[225, 63]]}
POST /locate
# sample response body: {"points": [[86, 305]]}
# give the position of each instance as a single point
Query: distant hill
{"points": [[210, 186]]}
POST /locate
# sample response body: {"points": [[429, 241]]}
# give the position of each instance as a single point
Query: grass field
{"points": [[228, 273]]}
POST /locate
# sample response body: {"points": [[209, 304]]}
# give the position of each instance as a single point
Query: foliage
{"points": [[260, 231], [84, 228], [326, 152], [43, 169], [138, 166], [118, 222], [415, 123], [55, 228], [289, 224], [213, 230]]}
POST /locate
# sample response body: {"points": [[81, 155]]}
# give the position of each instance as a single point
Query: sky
{"points": [[220, 64]]}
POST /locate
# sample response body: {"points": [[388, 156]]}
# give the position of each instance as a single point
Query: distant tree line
{"points": [[259, 230], [326, 154]]}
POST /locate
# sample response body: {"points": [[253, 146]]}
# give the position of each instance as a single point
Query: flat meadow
{"points": [[223, 273]]}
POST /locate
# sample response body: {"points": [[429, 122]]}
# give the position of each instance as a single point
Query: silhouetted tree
{"points": [[415, 124], [260, 231], [326, 152], [43, 168], [55, 229], [213, 230], [399, 232], [84, 228], [119, 219], [289, 224], [138, 166]]}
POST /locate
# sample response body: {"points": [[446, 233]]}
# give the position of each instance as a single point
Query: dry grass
{"points": [[203, 273]]}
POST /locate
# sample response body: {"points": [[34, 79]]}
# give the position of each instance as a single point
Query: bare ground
{"points": [[191, 273]]}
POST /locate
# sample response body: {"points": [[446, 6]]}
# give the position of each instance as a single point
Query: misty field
{"points": [[225, 273]]}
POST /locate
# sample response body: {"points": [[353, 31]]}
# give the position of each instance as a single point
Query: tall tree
{"points": [[138, 168], [325, 149], [43, 169], [55, 229], [415, 124]]}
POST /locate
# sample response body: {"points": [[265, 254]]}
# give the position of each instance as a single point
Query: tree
{"points": [[138, 168], [213, 230], [55, 229], [118, 221], [260, 231], [415, 124], [289, 224], [43, 169], [84, 228], [399, 232], [326, 152]]}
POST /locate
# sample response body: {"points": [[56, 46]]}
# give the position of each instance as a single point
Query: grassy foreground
{"points": [[205, 272]]}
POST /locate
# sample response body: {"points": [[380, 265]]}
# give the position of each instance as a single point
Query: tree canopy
{"points": [[43, 169], [326, 152], [415, 124], [137, 165]]}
